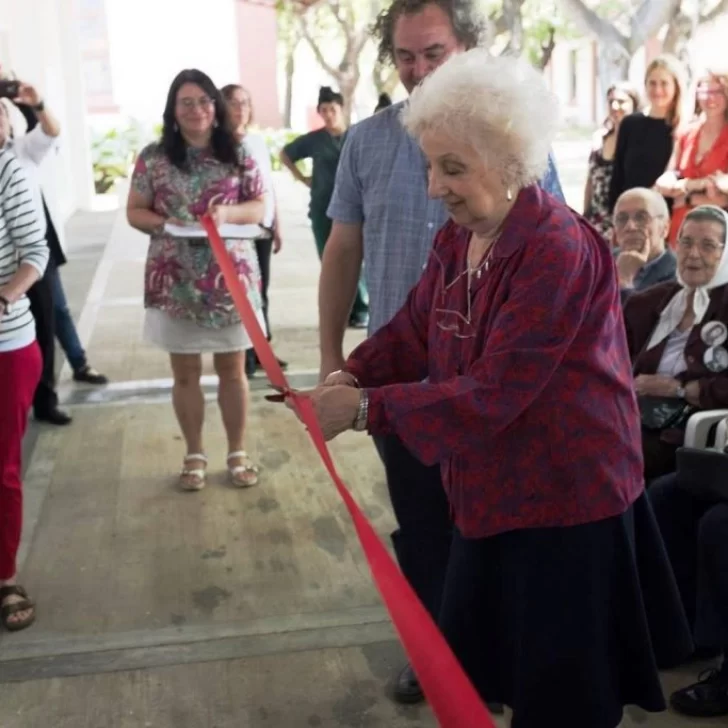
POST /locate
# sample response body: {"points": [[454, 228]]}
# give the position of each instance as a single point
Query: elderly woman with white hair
{"points": [[508, 366]]}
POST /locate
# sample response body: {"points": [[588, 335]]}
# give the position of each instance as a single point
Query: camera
{"points": [[9, 89]]}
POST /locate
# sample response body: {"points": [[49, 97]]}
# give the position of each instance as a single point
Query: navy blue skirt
{"points": [[567, 625]]}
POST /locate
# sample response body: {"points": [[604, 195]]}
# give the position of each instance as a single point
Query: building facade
{"points": [[40, 42]]}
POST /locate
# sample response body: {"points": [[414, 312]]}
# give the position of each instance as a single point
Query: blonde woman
{"points": [[646, 139]]}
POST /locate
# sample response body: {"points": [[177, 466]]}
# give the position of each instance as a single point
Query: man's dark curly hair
{"points": [[468, 22]]}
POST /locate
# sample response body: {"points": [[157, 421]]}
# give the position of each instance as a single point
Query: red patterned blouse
{"points": [[520, 389]]}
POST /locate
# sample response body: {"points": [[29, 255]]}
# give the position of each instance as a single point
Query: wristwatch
{"points": [[680, 392], [362, 414], [39, 107]]}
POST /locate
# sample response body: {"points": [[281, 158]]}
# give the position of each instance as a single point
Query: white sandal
{"points": [[244, 475], [192, 479]]}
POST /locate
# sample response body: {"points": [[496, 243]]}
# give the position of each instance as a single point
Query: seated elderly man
{"points": [[641, 223], [508, 366]]}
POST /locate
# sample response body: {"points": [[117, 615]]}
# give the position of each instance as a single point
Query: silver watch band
{"points": [[362, 414]]}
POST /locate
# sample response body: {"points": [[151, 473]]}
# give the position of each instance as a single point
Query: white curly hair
{"points": [[501, 105]]}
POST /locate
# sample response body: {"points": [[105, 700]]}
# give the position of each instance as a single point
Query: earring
{"points": [[214, 123], [175, 127], [509, 194]]}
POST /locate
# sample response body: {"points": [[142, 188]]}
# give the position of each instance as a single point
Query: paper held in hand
{"points": [[195, 230]]}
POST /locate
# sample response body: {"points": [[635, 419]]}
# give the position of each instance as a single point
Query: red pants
{"points": [[19, 376]]}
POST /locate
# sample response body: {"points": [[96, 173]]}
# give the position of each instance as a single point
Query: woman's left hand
{"points": [[336, 408], [656, 385]]}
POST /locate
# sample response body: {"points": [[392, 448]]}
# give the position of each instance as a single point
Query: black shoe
{"points": [[282, 364], [407, 690], [707, 698], [359, 322], [54, 417], [90, 376]]}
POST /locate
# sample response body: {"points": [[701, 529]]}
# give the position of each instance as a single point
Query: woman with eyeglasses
{"points": [[240, 109], [508, 367], [701, 152], [198, 167], [622, 100], [678, 339]]}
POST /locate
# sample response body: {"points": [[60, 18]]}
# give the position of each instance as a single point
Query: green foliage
{"points": [[113, 153], [275, 140], [540, 19]]}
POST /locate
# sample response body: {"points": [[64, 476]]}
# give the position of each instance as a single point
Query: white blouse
{"points": [[673, 357]]}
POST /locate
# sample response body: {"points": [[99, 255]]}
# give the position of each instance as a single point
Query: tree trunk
{"points": [[613, 67], [347, 87], [681, 29], [288, 102], [547, 49]]}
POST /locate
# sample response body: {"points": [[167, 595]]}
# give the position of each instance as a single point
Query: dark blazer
{"points": [[641, 314], [660, 270]]}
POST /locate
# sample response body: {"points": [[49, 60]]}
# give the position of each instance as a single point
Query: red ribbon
{"points": [[450, 693]]}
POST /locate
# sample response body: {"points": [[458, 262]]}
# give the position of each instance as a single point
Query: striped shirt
{"points": [[21, 241], [381, 183]]}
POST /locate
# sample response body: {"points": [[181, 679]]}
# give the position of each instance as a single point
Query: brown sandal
{"points": [[8, 610]]}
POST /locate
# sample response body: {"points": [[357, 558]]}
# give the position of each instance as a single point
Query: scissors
{"points": [[280, 395]]}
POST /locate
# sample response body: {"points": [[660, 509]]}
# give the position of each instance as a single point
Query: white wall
{"points": [[38, 40], [151, 41], [577, 110]]}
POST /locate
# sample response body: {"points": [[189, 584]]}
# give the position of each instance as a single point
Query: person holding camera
{"points": [[47, 296]]}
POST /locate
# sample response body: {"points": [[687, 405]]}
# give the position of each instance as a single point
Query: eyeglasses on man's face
{"points": [[641, 218]]}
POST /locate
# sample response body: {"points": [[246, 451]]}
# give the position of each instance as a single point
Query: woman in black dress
{"points": [[645, 141]]}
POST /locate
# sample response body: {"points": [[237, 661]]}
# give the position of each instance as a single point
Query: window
{"points": [[573, 75]]}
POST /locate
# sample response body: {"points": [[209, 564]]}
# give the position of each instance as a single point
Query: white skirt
{"points": [[181, 336]]}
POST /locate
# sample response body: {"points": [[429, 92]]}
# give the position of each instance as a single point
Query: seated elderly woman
{"points": [[508, 366], [695, 531], [677, 334]]}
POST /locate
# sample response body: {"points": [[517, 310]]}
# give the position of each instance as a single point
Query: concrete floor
{"points": [[219, 609]]}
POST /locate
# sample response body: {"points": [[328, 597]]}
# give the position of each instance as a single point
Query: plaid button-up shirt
{"points": [[381, 182]]}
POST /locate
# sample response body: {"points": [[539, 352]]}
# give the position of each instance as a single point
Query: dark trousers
{"points": [[695, 533], [40, 295], [263, 251], [422, 539], [64, 326], [321, 226]]}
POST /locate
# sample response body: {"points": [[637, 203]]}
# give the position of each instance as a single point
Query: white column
{"points": [[77, 135]]}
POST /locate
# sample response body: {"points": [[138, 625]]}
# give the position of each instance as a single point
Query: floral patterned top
{"points": [[600, 173], [182, 277]]}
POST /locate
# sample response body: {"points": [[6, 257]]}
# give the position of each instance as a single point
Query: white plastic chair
{"points": [[698, 428]]}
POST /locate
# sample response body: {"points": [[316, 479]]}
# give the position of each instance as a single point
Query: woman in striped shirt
{"points": [[23, 258]]}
